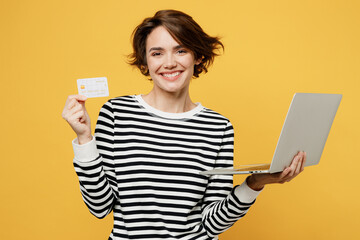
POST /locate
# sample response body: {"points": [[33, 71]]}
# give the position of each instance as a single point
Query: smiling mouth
{"points": [[171, 76]]}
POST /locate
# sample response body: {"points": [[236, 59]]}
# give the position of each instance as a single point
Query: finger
{"points": [[294, 164], [284, 174], [69, 106], [298, 161], [299, 164], [74, 109], [297, 167], [70, 97], [70, 114], [77, 117], [72, 103], [288, 172], [303, 162], [77, 97], [81, 98], [82, 103], [297, 154]]}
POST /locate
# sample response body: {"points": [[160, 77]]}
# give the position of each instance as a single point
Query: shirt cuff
{"points": [[245, 194], [85, 152]]}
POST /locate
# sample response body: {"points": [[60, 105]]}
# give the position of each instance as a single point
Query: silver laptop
{"points": [[306, 128]]}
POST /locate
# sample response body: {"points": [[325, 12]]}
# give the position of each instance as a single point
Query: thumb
{"points": [[81, 98]]}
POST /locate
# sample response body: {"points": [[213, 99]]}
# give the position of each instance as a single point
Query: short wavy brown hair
{"points": [[184, 30]]}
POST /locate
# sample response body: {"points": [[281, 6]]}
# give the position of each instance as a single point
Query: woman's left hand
{"points": [[258, 181]]}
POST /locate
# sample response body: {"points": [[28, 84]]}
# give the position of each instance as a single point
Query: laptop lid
{"points": [[306, 128]]}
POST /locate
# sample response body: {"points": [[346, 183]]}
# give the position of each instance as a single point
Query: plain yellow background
{"points": [[273, 49]]}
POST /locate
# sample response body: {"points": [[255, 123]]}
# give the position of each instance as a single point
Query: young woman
{"points": [[148, 150]]}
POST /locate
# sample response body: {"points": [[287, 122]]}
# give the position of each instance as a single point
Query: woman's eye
{"points": [[156, 54], [182, 51]]}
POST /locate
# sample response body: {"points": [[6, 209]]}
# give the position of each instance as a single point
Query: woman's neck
{"points": [[169, 102]]}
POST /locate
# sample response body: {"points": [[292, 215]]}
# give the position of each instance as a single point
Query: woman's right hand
{"points": [[76, 115]]}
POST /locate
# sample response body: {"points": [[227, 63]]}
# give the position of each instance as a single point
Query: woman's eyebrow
{"points": [[156, 49], [178, 47], [160, 48]]}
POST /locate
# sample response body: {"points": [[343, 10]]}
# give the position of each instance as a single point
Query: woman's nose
{"points": [[170, 61]]}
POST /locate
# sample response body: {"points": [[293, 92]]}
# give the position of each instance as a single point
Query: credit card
{"points": [[93, 87]]}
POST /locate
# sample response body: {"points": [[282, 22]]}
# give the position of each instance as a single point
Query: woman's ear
{"points": [[198, 61], [144, 69]]}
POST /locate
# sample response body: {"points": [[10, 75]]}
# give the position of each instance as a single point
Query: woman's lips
{"points": [[171, 76]]}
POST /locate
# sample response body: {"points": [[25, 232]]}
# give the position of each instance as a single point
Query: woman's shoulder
{"points": [[121, 102], [123, 98], [214, 115]]}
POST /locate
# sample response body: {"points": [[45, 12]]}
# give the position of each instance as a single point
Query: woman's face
{"points": [[171, 66]]}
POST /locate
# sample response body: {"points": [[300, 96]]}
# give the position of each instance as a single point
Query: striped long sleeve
{"points": [[144, 165], [222, 208], [97, 172]]}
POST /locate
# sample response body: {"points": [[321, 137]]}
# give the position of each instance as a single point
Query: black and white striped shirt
{"points": [[145, 164]]}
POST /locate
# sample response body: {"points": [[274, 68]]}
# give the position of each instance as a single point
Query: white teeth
{"points": [[171, 74]]}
